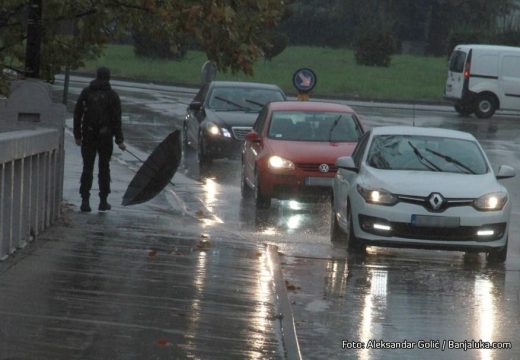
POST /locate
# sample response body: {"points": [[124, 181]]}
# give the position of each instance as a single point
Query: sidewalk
{"points": [[141, 282]]}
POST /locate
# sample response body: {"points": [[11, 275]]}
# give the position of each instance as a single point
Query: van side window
{"points": [[457, 60]]}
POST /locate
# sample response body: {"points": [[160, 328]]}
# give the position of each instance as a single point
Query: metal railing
{"points": [[31, 185]]}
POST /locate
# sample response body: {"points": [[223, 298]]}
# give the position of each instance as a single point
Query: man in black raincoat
{"points": [[97, 121]]}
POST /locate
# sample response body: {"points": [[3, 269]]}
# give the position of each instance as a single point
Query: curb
{"points": [[284, 310]]}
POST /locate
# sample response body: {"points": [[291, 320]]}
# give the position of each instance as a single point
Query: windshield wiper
{"points": [[451, 160], [254, 102], [227, 101], [334, 124], [423, 160]]}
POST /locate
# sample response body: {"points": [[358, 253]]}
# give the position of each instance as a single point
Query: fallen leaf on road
{"points": [[152, 253], [291, 287], [162, 343]]}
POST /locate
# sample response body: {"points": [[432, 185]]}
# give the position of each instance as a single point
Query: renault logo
{"points": [[436, 200], [324, 168]]}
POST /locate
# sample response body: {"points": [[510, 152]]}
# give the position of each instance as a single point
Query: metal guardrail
{"points": [[31, 185]]}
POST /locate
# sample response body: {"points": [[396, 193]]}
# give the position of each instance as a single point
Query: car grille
{"points": [[240, 132], [461, 233], [316, 167], [423, 201]]}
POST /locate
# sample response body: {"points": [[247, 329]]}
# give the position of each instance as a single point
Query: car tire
{"points": [[463, 110], [336, 234], [245, 190], [204, 158], [485, 106], [261, 200], [497, 256], [353, 243]]}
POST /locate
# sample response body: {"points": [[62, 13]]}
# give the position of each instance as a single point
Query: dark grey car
{"points": [[222, 113]]}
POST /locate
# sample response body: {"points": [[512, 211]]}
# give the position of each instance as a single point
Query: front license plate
{"points": [[318, 181], [435, 221]]}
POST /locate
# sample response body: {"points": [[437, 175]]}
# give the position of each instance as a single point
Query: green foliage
{"points": [[509, 38], [465, 37], [375, 49], [231, 32], [277, 44], [153, 40]]}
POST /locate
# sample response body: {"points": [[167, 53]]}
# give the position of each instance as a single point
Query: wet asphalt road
{"points": [[428, 298]]}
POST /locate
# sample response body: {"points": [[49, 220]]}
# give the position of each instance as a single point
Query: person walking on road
{"points": [[97, 121]]}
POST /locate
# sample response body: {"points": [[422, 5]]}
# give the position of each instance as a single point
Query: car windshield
{"points": [[314, 126], [426, 153], [242, 98]]}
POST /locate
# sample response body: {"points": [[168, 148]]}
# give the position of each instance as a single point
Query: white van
{"points": [[484, 78]]}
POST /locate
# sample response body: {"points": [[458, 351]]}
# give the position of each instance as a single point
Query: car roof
{"points": [[244, 84], [467, 47], [422, 131], [309, 106]]}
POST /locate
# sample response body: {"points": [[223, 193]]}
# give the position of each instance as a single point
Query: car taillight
{"points": [[467, 70]]}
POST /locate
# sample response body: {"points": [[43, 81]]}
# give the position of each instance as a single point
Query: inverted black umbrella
{"points": [[156, 172]]}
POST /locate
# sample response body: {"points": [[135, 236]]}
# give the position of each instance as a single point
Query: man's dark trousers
{"points": [[102, 146]]}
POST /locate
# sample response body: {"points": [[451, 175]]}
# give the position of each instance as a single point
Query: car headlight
{"points": [[212, 129], [377, 196], [277, 162], [491, 201]]}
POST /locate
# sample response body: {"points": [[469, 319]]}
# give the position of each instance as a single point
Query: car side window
{"points": [[260, 121], [358, 152]]}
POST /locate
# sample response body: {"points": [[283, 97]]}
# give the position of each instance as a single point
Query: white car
{"points": [[421, 187]]}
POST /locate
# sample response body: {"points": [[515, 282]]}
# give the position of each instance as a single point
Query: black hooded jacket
{"points": [[108, 112]]}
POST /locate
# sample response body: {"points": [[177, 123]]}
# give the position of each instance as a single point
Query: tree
{"points": [[232, 32]]}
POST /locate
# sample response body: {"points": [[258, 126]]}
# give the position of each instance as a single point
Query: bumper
{"points": [[222, 147], [301, 185], [396, 226]]}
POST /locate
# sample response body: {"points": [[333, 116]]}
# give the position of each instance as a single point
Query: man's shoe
{"points": [[85, 206], [104, 205]]}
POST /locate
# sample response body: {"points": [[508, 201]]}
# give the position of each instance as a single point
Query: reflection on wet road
{"points": [[399, 296]]}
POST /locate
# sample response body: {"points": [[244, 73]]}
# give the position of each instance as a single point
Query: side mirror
{"points": [[347, 163], [253, 136], [505, 172], [195, 106]]}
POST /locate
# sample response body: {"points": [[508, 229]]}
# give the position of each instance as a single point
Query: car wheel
{"points": [[245, 190], [353, 243], [202, 153], [336, 234], [463, 110], [498, 256], [485, 106], [261, 200]]}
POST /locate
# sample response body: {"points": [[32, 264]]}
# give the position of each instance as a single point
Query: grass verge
{"points": [[409, 78]]}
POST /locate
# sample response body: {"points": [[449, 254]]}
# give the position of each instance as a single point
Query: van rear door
{"points": [[455, 81]]}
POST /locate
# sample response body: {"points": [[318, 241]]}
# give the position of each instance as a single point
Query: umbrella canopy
{"points": [[156, 172]]}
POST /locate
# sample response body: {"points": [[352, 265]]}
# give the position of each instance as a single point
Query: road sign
{"points": [[304, 80]]}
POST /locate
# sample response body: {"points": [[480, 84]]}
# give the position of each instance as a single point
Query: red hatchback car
{"points": [[292, 149]]}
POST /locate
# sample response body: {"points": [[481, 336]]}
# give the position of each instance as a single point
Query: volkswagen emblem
{"points": [[324, 168], [436, 200]]}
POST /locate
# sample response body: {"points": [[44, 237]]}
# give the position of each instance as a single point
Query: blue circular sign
{"points": [[304, 79]]}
